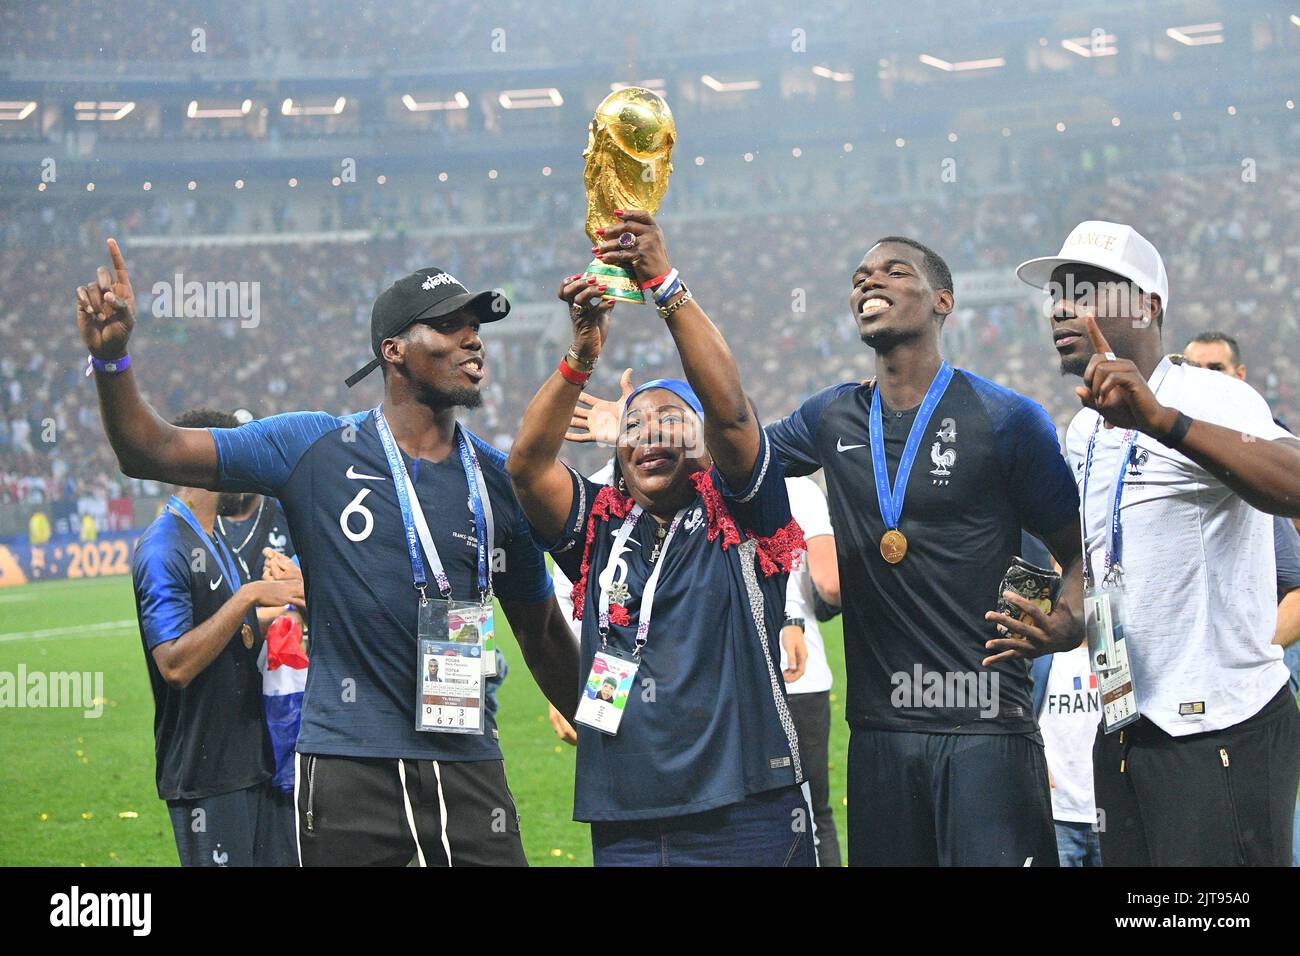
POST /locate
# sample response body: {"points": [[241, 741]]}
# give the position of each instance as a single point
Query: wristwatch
{"points": [[794, 622]]}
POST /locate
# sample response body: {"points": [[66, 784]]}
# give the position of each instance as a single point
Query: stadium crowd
{"points": [[776, 283]]}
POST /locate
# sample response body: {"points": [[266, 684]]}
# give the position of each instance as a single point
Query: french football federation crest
{"points": [[947, 432], [943, 460]]}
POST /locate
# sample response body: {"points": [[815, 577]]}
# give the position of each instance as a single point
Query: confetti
{"points": [[557, 852], [87, 815], [127, 815], [43, 817]]}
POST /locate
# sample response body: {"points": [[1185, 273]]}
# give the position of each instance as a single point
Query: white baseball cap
{"points": [[1112, 246]]}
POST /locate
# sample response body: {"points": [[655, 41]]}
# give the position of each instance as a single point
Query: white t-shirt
{"points": [[808, 505], [1069, 718], [1199, 575]]}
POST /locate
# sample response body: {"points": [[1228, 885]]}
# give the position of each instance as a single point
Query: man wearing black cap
{"points": [[376, 504]]}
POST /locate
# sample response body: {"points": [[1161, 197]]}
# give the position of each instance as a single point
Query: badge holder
{"points": [[487, 627], [449, 680], [604, 696], [1103, 615]]}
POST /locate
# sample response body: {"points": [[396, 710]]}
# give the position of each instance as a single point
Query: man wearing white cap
{"points": [[1198, 757]]}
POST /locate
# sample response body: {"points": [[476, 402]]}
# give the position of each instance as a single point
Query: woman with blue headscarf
{"points": [[687, 754]]}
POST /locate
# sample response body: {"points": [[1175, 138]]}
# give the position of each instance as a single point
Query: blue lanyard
{"points": [[218, 550], [1115, 544], [403, 485], [891, 500]]}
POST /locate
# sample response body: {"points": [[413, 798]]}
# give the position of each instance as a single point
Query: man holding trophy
{"points": [[686, 750]]}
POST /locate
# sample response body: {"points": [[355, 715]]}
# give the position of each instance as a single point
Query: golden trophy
{"points": [[628, 148]]}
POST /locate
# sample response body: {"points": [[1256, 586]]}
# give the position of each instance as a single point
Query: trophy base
{"points": [[622, 287]]}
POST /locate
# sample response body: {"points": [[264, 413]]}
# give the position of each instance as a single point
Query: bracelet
{"points": [[666, 311], [580, 363], [571, 374], [657, 280], [794, 622], [109, 367], [1177, 433], [669, 289]]}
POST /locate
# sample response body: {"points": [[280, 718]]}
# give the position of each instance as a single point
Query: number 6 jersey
{"points": [[332, 479]]}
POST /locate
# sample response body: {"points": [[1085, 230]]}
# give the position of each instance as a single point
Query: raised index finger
{"points": [[1098, 340], [119, 264]]}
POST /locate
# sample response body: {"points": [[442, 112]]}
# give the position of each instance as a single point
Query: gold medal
{"points": [[893, 546], [247, 633]]}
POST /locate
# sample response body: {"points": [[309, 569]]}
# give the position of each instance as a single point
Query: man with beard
{"points": [[214, 760], [1180, 468], [396, 512], [946, 764]]}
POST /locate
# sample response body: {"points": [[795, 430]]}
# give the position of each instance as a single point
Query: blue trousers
{"points": [[918, 799], [1078, 844], [767, 829]]}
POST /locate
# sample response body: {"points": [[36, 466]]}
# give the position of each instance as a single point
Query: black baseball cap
{"points": [[425, 294]]}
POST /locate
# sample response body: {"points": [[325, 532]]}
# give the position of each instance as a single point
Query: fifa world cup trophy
{"points": [[628, 148]]}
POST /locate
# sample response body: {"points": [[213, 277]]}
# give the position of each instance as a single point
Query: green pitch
{"points": [[78, 790]]}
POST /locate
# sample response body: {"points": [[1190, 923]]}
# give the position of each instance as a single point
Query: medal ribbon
{"points": [[652, 583], [417, 528], [891, 500], [216, 547]]}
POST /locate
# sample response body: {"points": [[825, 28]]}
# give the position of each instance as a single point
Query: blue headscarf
{"points": [[675, 385]]}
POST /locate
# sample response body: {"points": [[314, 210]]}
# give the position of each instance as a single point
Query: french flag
{"points": [[1092, 682], [283, 664]]}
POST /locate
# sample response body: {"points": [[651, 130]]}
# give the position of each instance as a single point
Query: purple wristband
{"points": [[111, 367]]}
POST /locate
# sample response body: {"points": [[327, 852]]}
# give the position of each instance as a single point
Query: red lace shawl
{"points": [[778, 553]]}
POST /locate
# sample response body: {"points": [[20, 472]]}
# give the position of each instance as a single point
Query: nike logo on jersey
{"points": [[357, 476], [215, 584], [840, 446]]}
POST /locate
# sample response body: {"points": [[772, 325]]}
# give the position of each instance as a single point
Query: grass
{"points": [[76, 790]]}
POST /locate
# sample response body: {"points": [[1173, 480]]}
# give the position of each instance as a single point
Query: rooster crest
{"points": [[943, 460]]}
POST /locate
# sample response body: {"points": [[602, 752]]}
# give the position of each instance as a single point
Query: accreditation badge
{"points": [[1103, 616], [449, 677], [604, 696]]}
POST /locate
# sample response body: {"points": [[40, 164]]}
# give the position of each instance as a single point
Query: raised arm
{"points": [[541, 482], [146, 446], [1264, 473], [730, 428]]}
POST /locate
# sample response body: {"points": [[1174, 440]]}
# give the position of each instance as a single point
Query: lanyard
{"points": [[652, 583], [417, 528], [218, 550], [1114, 546], [891, 500]]}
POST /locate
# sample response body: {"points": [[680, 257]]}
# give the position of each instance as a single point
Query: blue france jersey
{"points": [[331, 476], [989, 465], [209, 737], [707, 723]]}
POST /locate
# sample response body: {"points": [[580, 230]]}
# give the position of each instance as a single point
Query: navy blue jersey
{"points": [[210, 737], [266, 527], [989, 466], [707, 722], [331, 476]]}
